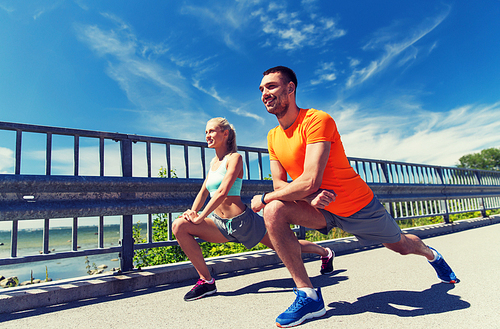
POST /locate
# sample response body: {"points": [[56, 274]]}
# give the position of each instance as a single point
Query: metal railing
{"points": [[407, 190]]}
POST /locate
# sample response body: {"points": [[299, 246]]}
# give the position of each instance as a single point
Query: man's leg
{"points": [[279, 216], [410, 244], [306, 247]]}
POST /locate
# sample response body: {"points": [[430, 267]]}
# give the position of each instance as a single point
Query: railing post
{"points": [[15, 223], [444, 203], [385, 170], [126, 227], [483, 210], [301, 234]]}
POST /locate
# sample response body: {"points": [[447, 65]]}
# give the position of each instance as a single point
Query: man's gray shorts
{"points": [[247, 228], [372, 224]]}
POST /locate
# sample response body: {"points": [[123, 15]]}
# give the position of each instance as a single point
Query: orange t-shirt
{"points": [[289, 148]]}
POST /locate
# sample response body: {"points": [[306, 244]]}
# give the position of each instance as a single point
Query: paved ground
{"points": [[375, 288]]}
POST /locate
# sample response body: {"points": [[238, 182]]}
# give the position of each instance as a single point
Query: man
{"points": [[325, 192]]}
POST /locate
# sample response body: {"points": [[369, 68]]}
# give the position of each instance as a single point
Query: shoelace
{"points": [[442, 266], [198, 283], [299, 301], [324, 261]]}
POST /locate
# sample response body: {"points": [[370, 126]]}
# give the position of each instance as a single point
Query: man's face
{"points": [[275, 94]]}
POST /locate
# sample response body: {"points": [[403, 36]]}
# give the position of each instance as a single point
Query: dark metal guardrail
{"points": [[407, 190]]}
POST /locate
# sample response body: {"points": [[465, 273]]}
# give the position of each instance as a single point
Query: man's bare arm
{"points": [[306, 184]]}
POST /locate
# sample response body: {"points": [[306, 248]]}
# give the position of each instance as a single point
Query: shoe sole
{"points": [[208, 293], [312, 315], [451, 281]]}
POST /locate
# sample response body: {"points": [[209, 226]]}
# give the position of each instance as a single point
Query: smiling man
{"points": [[325, 192]]}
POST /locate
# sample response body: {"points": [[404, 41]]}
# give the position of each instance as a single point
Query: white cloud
{"points": [[392, 49], [285, 29], [227, 103], [422, 137], [7, 161], [290, 31], [325, 73], [7, 8]]}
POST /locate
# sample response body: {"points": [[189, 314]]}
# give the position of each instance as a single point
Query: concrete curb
{"points": [[63, 291]]}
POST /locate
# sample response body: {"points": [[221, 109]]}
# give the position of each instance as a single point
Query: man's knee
{"points": [[402, 247], [275, 212]]}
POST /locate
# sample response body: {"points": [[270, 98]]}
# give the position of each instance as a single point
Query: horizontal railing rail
{"points": [[407, 190]]}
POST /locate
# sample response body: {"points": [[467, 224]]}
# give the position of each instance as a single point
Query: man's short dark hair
{"points": [[287, 73]]}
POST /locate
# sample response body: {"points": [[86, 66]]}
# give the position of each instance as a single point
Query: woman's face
{"points": [[215, 136]]}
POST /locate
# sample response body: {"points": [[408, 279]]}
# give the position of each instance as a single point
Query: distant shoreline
{"points": [[30, 242]]}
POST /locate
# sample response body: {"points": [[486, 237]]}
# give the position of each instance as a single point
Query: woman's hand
{"points": [[191, 216]]}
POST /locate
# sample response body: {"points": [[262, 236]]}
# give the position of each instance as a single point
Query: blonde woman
{"points": [[225, 218]]}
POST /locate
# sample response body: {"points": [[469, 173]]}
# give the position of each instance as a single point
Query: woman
{"points": [[230, 219]]}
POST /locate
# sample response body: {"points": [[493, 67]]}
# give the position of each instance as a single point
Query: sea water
{"points": [[30, 242]]}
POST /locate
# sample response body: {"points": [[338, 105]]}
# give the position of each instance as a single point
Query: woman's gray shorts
{"points": [[371, 224], [247, 228]]}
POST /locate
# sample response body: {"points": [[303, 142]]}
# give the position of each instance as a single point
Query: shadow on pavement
{"points": [[89, 301], [434, 300], [284, 285]]}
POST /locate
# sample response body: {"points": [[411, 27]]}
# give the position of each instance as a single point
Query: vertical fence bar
{"points": [[126, 227], [247, 160], [48, 169], [167, 154], [46, 228], [186, 160], [77, 155], [74, 234], [261, 169], [148, 157], [150, 228], [170, 233], [19, 139], [483, 208], [203, 163], [17, 171], [101, 156], [100, 232], [48, 155]]}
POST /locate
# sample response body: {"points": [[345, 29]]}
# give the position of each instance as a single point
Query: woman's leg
{"points": [[306, 247], [185, 233]]}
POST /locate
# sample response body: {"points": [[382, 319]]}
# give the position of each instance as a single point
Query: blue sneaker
{"points": [[443, 270], [303, 308]]}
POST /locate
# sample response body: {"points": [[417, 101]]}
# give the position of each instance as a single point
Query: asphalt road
{"points": [[375, 288]]}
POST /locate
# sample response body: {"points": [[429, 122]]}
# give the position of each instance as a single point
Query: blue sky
{"points": [[413, 81]]}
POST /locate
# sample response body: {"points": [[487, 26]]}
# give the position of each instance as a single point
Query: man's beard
{"points": [[282, 112], [280, 109]]}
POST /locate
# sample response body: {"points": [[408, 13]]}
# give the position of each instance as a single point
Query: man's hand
{"points": [[256, 204], [321, 198]]}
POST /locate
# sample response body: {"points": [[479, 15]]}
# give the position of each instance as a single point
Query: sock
{"points": [[210, 282], [435, 256], [310, 292], [329, 254]]}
